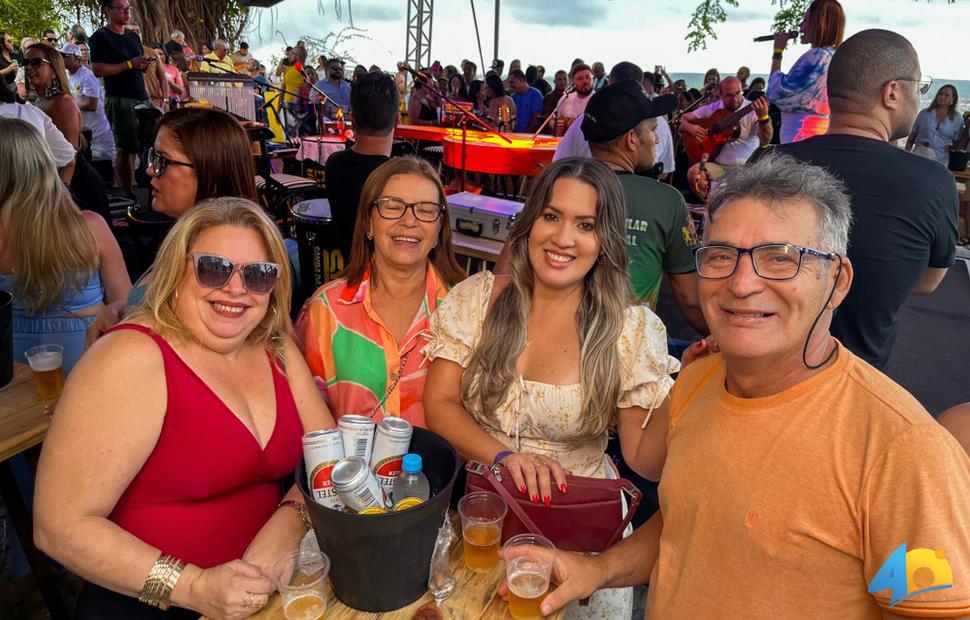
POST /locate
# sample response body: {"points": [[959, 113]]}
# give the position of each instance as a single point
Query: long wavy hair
{"points": [[952, 110], [599, 320], [57, 65], [54, 251]]}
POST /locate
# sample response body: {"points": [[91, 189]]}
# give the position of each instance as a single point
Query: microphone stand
{"points": [[555, 112], [340, 111]]}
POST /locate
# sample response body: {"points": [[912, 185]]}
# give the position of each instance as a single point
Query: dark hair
{"points": [[578, 61], [362, 249], [828, 23], [472, 65], [577, 68], [518, 74], [462, 89], [495, 84], [758, 80], [952, 111], [473, 89], [562, 71], [244, 46], [531, 74], [7, 93], [626, 71], [863, 64], [218, 147], [375, 103]]}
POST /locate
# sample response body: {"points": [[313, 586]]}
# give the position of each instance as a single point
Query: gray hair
{"points": [[779, 180], [176, 34], [216, 43]]}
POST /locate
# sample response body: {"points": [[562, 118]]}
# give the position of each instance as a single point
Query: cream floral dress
{"points": [[546, 419]]}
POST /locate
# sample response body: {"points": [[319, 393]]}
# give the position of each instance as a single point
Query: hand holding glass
{"points": [[528, 574]]}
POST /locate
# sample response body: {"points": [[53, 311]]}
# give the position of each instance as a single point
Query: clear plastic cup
{"points": [[482, 514], [47, 364], [301, 578], [528, 575]]}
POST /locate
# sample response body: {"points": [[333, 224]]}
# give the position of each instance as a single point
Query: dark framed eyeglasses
{"points": [[36, 63], [158, 163], [923, 84], [771, 261], [214, 271], [51, 39], [391, 208]]}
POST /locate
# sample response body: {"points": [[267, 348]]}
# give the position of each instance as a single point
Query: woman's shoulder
{"points": [[131, 348], [640, 322], [475, 287]]}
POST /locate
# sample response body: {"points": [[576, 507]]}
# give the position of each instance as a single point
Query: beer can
{"points": [[391, 442], [322, 450], [357, 486], [357, 433], [407, 502]]}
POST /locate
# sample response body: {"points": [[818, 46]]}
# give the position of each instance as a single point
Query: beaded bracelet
{"points": [[501, 455], [161, 581]]}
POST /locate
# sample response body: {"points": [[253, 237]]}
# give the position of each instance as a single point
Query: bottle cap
{"points": [[412, 463]]}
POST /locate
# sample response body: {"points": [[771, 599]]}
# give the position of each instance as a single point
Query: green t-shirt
{"points": [[659, 234]]}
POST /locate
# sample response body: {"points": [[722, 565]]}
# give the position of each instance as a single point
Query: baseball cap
{"points": [[70, 49], [620, 107]]}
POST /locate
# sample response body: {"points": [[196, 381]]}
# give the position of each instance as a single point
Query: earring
{"points": [[370, 236], [53, 87], [601, 259], [435, 245]]}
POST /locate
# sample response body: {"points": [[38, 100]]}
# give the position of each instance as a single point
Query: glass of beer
{"points": [[301, 578], [482, 514], [47, 363], [528, 574]]}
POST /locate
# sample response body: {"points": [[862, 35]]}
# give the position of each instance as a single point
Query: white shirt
{"points": [[573, 105], [574, 144], [85, 84], [738, 151], [60, 148]]}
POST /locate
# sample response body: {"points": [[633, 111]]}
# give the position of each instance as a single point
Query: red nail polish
{"points": [[546, 500], [535, 499], [562, 487], [522, 490]]}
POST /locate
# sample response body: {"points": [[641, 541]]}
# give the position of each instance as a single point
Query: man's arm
{"points": [[86, 104], [765, 128], [930, 280], [684, 286]]}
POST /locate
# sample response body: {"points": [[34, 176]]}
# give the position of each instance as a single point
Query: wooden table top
{"points": [[475, 598], [23, 422]]}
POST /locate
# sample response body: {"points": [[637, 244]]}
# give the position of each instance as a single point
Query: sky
{"points": [[648, 32]]}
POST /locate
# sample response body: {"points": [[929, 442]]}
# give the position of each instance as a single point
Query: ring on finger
{"points": [[254, 601], [538, 461]]}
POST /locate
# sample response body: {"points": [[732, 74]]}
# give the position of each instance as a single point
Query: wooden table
{"points": [[475, 598], [475, 253]]}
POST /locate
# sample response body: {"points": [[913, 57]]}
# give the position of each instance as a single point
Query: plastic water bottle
{"points": [[411, 482]]}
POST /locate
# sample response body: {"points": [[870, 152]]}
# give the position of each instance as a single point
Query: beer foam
{"points": [[45, 361]]}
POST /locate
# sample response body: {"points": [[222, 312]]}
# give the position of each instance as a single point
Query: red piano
{"points": [[486, 152]]}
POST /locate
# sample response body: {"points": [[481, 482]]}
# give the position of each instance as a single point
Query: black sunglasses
{"points": [[214, 271], [35, 63], [158, 162]]}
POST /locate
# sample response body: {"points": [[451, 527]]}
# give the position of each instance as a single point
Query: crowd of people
{"points": [[785, 456]]}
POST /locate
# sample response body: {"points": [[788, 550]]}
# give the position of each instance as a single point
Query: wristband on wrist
{"points": [[776, 56], [128, 63], [764, 121], [501, 455], [779, 50], [764, 118]]}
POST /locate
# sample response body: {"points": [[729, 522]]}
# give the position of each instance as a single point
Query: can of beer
{"points": [[322, 450], [391, 443], [357, 433], [408, 502], [357, 486]]}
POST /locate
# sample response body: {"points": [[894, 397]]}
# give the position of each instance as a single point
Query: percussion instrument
{"points": [[229, 92], [322, 254]]}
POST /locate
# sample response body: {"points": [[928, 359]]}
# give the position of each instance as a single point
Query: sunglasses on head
{"points": [[35, 63], [214, 271]]}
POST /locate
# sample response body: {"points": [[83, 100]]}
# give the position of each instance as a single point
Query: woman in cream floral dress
{"points": [[534, 368]]}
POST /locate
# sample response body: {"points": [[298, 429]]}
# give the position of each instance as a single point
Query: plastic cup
{"points": [[528, 575], [47, 364], [301, 578], [482, 514]]}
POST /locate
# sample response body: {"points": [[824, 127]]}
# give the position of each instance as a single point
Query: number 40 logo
{"points": [[907, 574]]}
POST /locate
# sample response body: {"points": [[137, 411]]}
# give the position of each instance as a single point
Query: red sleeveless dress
{"points": [[207, 487]]}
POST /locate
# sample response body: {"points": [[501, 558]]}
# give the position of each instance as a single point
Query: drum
{"points": [[322, 254], [319, 148]]}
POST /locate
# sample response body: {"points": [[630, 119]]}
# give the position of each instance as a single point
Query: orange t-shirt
{"points": [[786, 506]]}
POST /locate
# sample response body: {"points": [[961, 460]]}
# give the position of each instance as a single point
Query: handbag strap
{"points": [[635, 496], [486, 472]]}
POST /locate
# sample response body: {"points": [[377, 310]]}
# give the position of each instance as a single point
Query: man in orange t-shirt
{"points": [[794, 470]]}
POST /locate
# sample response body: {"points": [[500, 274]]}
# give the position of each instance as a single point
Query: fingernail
{"points": [[522, 490], [546, 500], [535, 499], [562, 487]]}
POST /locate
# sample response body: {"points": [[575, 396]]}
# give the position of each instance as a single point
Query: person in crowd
{"points": [[336, 88], [401, 267], [204, 376], [551, 100], [476, 95], [743, 74], [292, 82], [49, 37], [21, 80], [89, 96], [117, 56], [498, 105], [469, 70], [905, 207], [531, 369], [61, 150], [156, 80], [241, 57], [498, 66], [359, 71], [754, 130], [48, 78], [801, 94], [541, 78], [205, 50], [620, 124], [937, 127], [581, 77], [528, 102], [218, 60], [757, 86], [450, 71], [61, 264], [712, 79], [752, 463], [179, 37], [8, 64], [175, 69], [457, 89], [376, 111], [599, 76], [424, 103], [575, 144], [533, 80], [85, 54]]}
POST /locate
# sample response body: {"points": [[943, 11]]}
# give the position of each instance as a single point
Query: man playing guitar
{"points": [[751, 130]]}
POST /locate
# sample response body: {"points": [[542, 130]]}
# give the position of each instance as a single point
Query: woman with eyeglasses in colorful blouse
{"points": [[362, 334]]}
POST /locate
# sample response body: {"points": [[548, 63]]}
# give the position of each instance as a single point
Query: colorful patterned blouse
{"points": [[354, 359], [802, 95]]}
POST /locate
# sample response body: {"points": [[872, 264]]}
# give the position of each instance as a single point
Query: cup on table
{"points": [[528, 575], [482, 514], [47, 363], [301, 578]]}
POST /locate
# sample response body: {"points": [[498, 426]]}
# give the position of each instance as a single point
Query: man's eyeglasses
{"points": [[771, 261], [214, 271], [391, 208], [51, 39], [923, 84], [35, 63], [158, 162]]}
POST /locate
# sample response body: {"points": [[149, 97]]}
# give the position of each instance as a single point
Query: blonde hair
{"points": [[169, 269], [599, 320], [54, 251], [57, 66]]}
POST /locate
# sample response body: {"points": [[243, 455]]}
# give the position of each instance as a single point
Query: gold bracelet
{"points": [[779, 50], [128, 62], [161, 581], [299, 508]]}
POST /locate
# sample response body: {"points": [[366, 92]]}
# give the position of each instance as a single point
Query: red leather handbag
{"points": [[588, 518]]}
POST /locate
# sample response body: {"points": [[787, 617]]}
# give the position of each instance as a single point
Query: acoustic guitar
{"points": [[722, 126]]}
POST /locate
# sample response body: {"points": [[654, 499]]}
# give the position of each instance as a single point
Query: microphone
{"points": [[571, 89], [418, 74], [792, 34]]}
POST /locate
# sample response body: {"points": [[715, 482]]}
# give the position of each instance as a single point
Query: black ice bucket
{"points": [[959, 160]]}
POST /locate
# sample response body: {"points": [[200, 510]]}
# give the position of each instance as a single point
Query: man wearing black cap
{"points": [[620, 123]]}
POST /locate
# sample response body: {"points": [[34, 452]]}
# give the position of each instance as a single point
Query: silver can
{"points": [[356, 485], [391, 442], [357, 433], [322, 450]]}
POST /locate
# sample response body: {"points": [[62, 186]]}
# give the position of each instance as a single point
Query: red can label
{"points": [[322, 487]]}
